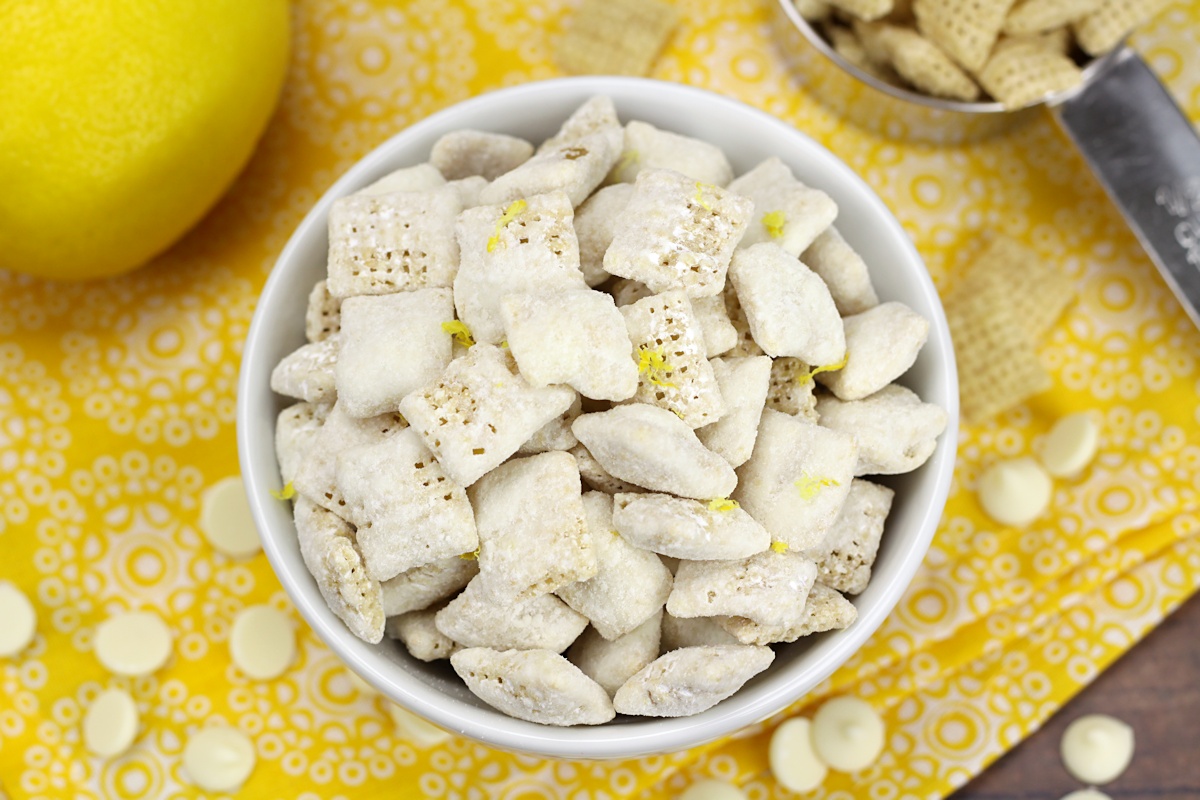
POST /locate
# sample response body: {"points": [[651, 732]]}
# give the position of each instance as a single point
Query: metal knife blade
{"points": [[1146, 154]]}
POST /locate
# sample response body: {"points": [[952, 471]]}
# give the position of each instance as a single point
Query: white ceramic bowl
{"points": [[535, 111]]}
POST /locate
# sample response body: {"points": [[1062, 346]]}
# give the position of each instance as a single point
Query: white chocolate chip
{"points": [[219, 759], [847, 734], [712, 790], [134, 644], [1070, 445], [1097, 748], [793, 760], [225, 519], [414, 729], [1086, 794], [1015, 491], [111, 723], [18, 620], [262, 642]]}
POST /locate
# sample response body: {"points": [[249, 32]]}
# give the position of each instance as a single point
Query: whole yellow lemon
{"points": [[123, 121]]}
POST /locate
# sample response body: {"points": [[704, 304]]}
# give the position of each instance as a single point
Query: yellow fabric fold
{"points": [[957, 720]]}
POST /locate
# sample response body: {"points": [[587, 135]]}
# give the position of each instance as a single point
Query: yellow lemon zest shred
{"points": [[512, 212], [701, 188], [471, 556], [653, 363], [459, 330], [810, 486], [779, 547], [504, 344], [808, 376], [286, 493], [722, 504], [774, 222]]}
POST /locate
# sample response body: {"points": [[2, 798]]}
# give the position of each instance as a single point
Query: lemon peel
{"points": [[810, 486], [97, 201], [701, 188], [779, 547], [774, 222], [286, 493], [471, 556], [653, 363], [722, 504], [512, 212], [808, 376], [461, 333]]}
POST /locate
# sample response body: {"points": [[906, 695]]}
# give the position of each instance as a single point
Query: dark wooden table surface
{"points": [[1156, 689]]}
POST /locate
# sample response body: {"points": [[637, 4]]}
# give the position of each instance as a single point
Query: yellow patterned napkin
{"points": [[117, 406]]}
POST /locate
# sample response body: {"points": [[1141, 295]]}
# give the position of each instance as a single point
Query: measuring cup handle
{"points": [[1146, 153]]}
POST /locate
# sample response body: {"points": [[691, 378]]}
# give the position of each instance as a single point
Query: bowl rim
{"points": [[645, 736]]}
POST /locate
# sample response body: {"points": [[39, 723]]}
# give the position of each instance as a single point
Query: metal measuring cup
{"points": [[1138, 143]]}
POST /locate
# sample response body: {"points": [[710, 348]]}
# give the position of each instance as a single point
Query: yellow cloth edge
{"points": [[751, 747]]}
